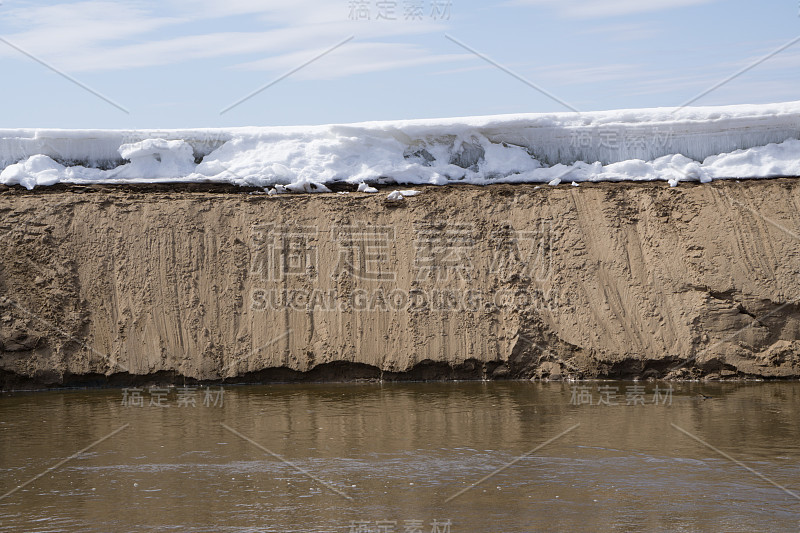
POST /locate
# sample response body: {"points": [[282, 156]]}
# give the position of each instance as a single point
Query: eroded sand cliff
{"points": [[108, 283]]}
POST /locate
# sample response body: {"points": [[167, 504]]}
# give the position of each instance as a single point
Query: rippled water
{"points": [[398, 458]]}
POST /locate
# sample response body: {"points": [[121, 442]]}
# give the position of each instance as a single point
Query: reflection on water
{"points": [[391, 457]]}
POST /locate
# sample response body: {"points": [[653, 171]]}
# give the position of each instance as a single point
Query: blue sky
{"points": [[178, 63]]}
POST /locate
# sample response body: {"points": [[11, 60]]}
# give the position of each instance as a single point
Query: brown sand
{"points": [[618, 280]]}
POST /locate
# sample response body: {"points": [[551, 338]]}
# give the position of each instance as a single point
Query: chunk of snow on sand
{"points": [[363, 187], [395, 196], [689, 144], [307, 186]]}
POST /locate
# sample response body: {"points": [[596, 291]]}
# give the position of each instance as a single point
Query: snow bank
{"points": [[699, 144]]}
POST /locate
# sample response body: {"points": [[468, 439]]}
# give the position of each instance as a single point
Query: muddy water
{"points": [[453, 457]]}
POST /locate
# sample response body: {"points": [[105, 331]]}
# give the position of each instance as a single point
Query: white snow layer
{"points": [[685, 144]]}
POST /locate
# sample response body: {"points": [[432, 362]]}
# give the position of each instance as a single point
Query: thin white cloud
{"points": [[460, 70], [772, 80], [589, 74], [740, 91], [608, 8], [563, 74], [699, 77], [80, 24], [356, 58], [788, 59], [97, 35], [623, 32], [278, 11]]}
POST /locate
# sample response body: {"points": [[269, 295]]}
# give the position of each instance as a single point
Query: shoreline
{"points": [[113, 383], [337, 187]]}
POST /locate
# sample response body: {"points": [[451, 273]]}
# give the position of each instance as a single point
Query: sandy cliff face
{"points": [[620, 280]]}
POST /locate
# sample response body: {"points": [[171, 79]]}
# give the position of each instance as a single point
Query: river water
{"points": [[419, 457]]}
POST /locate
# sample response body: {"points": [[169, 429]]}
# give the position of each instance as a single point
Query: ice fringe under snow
{"points": [[687, 144]]}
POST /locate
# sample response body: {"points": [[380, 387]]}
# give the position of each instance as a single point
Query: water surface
{"points": [[398, 458]]}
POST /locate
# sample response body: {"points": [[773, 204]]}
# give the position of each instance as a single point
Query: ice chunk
{"points": [[772, 160], [307, 186], [36, 170], [398, 196], [155, 158]]}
